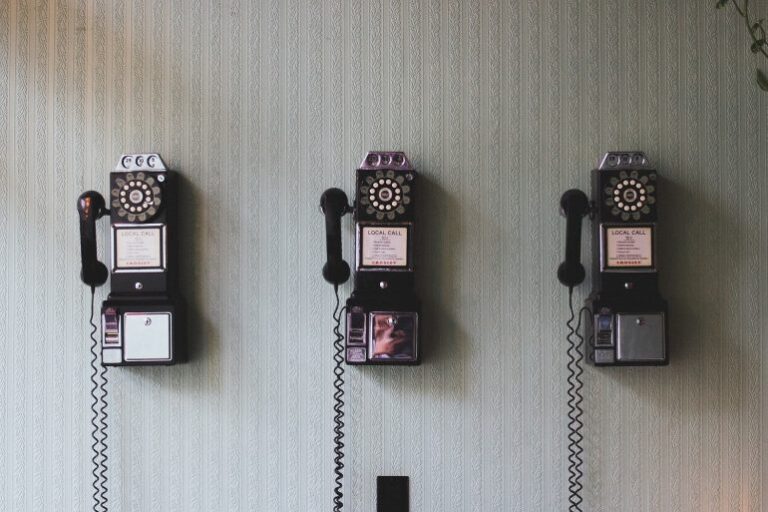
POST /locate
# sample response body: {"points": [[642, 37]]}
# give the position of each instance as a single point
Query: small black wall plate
{"points": [[392, 494]]}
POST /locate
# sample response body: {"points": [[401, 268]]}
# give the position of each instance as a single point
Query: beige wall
{"points": [[502, 106]]}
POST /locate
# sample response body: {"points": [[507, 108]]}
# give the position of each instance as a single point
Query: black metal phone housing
{"points": [[383, 311], [629, 324], [143, 316]]}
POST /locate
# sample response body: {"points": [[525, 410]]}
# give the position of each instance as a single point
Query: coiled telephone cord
{"points": [[575, 410], [98, 419], [338, 404]]}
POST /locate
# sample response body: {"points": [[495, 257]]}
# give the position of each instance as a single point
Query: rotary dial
{"points": [[631, 195], [385, 195], [137, 197]]}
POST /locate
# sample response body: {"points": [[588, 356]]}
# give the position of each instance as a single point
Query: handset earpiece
{"points": [[574, 205], [334, 205], [90, 207]]}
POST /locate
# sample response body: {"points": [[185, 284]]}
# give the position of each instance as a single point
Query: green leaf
{"points": [[762, 80], [758, 27], [756, 45], [721, 3]]}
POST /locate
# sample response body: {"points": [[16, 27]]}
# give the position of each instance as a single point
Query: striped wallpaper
{"points": [[501, 105]]}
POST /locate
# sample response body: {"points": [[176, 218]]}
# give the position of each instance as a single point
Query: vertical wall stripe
{"points": [[492, 455], [20, 479], [6, 142]]}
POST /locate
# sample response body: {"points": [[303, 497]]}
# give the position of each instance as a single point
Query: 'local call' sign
{"points": [[629, 247], [385, 247], [138, 248]]}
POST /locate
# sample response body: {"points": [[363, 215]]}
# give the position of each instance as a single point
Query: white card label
{"points": [[385, 246], [138, 248], [629, 247]]}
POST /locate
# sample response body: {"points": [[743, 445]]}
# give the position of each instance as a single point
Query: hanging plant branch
{"points": [[757, 33]]}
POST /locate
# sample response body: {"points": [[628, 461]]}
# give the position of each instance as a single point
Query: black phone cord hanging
{"points": [[575, 410], [98, 393], [338, 404]]}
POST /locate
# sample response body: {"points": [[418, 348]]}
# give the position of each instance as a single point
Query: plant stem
{"points": [[745, 14]]}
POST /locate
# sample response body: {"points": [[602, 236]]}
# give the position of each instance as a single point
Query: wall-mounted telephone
{"points": [[141, 319], [628, 316], [382, 314], [383, 311]]}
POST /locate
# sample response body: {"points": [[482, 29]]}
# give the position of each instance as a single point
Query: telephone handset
{"points": [[629, 316], [334, 204], [383, 311], [90, 207], [141, 319]]}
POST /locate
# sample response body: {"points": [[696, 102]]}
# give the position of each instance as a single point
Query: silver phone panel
{"points": [[640, 337]]}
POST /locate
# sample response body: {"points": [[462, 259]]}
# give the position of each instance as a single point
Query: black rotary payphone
{"points": [[383, 311], [627, 315], [141, 319], [382, 314]]}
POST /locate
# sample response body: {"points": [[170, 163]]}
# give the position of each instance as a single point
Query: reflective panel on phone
{"points": [[393, 335]]}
